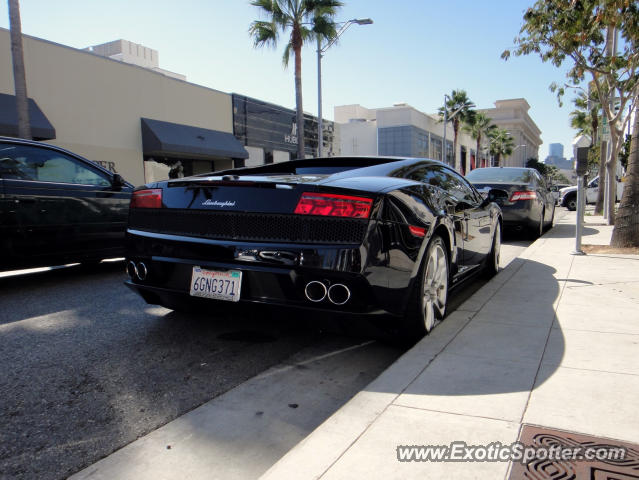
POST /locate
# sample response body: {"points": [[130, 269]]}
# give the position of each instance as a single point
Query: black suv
{"points": [[57, 207]]}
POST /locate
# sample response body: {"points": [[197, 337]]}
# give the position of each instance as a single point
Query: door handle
{"points": [[24, 200]]}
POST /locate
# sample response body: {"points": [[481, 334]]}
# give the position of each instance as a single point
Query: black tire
{"points": [[537, 229], [492, 261], [424, 310], [571, 203], [552, 220]]}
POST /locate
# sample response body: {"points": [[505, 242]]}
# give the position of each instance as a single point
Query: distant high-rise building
{"points": [[556, 157], [556, 150]]}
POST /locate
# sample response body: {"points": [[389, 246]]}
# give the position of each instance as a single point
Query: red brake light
{"points": [[526, 195], [417, 231], [151, 198], [330, 205]]}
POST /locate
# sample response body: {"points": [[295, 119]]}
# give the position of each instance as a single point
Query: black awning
{"points": [[174, 139], [41, 128]]}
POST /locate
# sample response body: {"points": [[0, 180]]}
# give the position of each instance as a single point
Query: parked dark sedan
{"points": [[57, 207], [359, 235], [525, 199]]}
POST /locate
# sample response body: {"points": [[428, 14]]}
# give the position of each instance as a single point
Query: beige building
{"points": [[137, 122], [512, 115]]}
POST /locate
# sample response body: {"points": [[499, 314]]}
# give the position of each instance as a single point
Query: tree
{"points": [[625, 152], [585, 119], [459, 111], [626, 231], [542, 168], [501, 143], [479, 127], [584, 33], [19, 76], [296, 16]]}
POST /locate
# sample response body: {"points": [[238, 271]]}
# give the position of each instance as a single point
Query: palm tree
{"points": [[19, 77], [501, 143], [585, 117], [459, 111], [296, 16], [479, 128]]}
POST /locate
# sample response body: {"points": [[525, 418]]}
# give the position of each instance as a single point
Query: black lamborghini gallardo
{"points": [[343, 234]]}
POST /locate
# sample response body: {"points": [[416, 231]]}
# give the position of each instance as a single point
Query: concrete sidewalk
{"points": [[552, 341]]}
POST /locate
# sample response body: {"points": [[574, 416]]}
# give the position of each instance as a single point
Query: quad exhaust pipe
{"points": [[315, 291], [137, 270], [337, 294]]}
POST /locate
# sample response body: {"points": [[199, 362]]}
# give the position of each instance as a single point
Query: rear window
{"points": [[506, 175]]}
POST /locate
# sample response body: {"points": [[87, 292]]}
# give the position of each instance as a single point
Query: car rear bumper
{"points": [[274, 274], [519, 214]]}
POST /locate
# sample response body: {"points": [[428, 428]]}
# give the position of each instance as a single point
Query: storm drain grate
{"points": [[625, 468]]}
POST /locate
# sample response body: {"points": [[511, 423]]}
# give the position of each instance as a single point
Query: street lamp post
{"points": [[320, 51], [525, 148]]}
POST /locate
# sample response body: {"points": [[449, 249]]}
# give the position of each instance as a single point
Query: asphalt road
{"points": [[88, 367]]}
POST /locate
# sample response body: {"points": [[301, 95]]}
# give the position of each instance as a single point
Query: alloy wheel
{"points": [[497, 246], [435, 287]]}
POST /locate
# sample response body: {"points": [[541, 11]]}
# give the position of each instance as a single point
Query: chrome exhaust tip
{"points": [[339, 294], [315, 291], [131, 269], [141, 271]]}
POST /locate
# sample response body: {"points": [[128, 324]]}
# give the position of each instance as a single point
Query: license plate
{"points": [[216, 285]]}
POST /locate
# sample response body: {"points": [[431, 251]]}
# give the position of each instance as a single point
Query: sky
{"points": [[415, 52]]}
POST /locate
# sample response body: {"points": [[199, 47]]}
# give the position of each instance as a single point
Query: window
{"points": [[22, 162], [460, 189]]}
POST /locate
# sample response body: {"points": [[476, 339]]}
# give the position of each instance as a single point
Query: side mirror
{"points": [[117, 181]]}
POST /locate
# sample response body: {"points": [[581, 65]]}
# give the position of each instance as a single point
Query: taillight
{"points": [[331, 205], [151, 198], [525, 195], [417, 231]]}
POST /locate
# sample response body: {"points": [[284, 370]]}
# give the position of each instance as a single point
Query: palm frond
{"points": [[288, 52], [263, 33]]}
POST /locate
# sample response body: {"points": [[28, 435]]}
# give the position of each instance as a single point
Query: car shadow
{"points": [[493, 344]]}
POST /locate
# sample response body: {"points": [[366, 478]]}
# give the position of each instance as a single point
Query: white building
{"points": [[400, 130], [133, 53]]}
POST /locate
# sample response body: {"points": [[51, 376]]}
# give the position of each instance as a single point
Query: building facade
{"points": [[402, 130], [113, 105], [133, 53], [556, 150], [269, 132], [512, 115]]}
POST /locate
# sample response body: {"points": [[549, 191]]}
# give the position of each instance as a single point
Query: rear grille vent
{"points": [[263, 227]]}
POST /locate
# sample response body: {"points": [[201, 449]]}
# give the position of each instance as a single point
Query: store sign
{"points": [[292, 137], [272, 127]]}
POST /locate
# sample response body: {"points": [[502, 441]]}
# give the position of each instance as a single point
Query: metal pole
{"points": [[604, 184], [580, 215], [320, 131]]}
